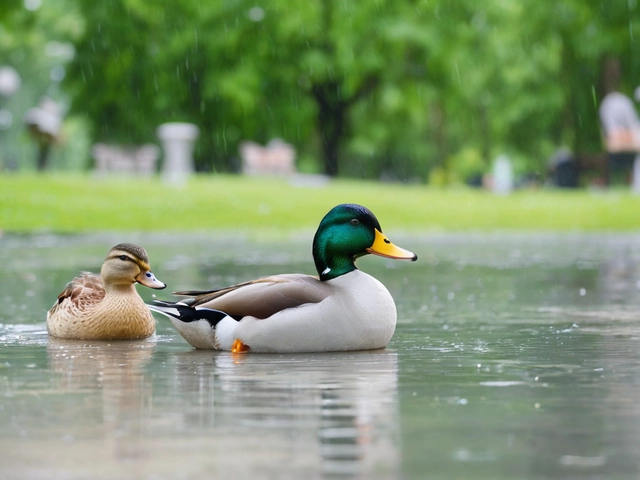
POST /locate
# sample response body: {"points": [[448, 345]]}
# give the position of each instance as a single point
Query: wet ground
{"points": [[516, 356]]}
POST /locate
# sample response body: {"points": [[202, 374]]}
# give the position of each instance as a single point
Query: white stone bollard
{"points": [[177, 141], [502, 176]]}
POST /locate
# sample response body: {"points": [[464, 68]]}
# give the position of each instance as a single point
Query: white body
{"points": [[359, 314]]}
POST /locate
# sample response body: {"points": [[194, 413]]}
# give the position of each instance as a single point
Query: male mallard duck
{"points": [[107, 307], [342, 309]]}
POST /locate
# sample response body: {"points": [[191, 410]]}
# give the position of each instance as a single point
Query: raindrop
{"points": [[458, 73], [499, 383], [256, 14]]}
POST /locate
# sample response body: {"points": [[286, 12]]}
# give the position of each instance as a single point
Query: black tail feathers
{"points": [[188, 314]]}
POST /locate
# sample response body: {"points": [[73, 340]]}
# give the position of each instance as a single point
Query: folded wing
{"points": [[262, 297], [86, 289]]}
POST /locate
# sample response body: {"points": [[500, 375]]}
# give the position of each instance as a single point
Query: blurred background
{"points": [[415, 91]]}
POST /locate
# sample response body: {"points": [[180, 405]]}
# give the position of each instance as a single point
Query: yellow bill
{"points": [[383, 247]]}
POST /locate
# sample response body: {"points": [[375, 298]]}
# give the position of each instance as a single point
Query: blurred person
{"points": [[563, 168], [44, 123], [620, 125]]}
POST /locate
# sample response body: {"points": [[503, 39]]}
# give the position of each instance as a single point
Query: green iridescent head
{"points": [[347, 232]]}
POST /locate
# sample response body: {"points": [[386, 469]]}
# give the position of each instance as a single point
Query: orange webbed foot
{"points": [[239, 347]]}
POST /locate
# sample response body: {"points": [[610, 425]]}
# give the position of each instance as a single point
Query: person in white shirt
{"points": [[621, 131]]}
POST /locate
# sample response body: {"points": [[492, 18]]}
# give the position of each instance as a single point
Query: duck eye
{"points": [[123, 258], [355, 221]]}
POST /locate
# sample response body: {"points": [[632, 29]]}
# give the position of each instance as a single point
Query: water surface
{"points": [[516, 357]]}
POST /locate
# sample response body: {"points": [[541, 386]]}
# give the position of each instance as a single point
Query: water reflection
{"points": [[348, 400], [110, 379], [343, 406], [201, 414], [516, 356]]}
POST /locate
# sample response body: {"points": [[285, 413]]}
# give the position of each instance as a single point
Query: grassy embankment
{"points": [[81, 203]]}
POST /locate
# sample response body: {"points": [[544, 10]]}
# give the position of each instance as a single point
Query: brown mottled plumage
{"points": [[107, 306]]}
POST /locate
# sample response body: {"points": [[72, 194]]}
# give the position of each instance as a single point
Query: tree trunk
{"points": [[439, 133], [44, 146], [332, 117], [331, 124]]}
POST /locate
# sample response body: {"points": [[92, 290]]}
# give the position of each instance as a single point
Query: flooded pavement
{"points": [[517, 356]]}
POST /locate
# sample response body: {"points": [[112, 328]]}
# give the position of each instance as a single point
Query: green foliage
{"points": [[391, 89]]}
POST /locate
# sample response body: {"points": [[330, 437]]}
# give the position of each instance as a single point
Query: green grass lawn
{"points": [[82, 203]]}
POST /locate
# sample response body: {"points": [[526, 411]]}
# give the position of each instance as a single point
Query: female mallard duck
{"points": [[342, 309], [107, 307]]}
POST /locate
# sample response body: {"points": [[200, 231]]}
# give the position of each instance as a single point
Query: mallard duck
{"points": [[341, 309], [107, 306]]}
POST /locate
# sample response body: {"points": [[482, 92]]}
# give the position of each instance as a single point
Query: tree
{"points": [[398, 88]]}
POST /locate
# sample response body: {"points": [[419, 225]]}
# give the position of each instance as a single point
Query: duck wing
{"points": [[84, 290], [262, 297]]}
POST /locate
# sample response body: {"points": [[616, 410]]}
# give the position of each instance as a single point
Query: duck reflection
{"points": [[141, 406], [340, 410], [107, 394]]}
